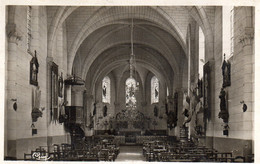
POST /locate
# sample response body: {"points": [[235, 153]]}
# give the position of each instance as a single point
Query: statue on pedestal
{"points": [[223, 106]]}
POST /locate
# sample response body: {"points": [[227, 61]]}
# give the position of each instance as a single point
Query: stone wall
{"points": [[18, 123], [242, 80]]}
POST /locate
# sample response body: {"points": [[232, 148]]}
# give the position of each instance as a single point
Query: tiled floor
{"points": [[130, 153]]}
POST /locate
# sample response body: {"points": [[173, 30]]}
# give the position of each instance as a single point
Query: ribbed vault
{"points": [[98, 39]]}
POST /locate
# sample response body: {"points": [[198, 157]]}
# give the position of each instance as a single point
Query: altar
{"points": [[130, 123], [130, 120]]}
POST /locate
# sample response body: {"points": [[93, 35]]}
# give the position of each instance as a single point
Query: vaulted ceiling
{"points": [[98, 39]]}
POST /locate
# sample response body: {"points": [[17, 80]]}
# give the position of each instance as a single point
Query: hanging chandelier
{"points": [[132, 62]]}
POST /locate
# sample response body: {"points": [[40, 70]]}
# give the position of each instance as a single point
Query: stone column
{"points": [[77, 95], [11, 97], [170, 102], [49, 61], [89, 98], [247, 41], [117, 107]]}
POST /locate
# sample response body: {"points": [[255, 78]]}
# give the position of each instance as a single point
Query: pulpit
{"points": [[74, 114]]}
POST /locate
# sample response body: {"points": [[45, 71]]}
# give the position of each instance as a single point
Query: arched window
{"points": [[201, 52], [228, 30], [154, 90], [106, 90], [130, 89]]}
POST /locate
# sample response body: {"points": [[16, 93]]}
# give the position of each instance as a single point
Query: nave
{"points": [[130, 153], [151, 149]]}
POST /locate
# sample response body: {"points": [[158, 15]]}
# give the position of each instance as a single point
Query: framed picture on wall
{"points": [[54, 92], [206, 90]]}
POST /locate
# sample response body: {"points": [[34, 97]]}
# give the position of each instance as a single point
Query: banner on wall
{"points": [[206, 91], [54, 93]]}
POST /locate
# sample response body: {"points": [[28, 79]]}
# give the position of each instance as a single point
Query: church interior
{"points": [[129, 83]]}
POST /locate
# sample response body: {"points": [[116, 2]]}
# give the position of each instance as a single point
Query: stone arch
{"points": [[105, 70], [198, 13], [64, 12], [60, 16], [174, 65], [149, 31], [123, 57], [174, 25]]}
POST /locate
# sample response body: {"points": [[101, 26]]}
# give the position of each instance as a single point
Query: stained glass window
{"points": [[130, 92], [154, 90], [106, 90]]}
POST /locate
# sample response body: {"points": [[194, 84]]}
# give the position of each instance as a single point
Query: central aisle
{"points": [[130, 153]]}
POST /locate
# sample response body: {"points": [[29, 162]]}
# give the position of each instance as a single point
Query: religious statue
{"points": [[226, 66], [186, 109], [105, 111], [223, 106], [34, 69], [62, 116], [194, 98], [95, 109], [155, 111]]}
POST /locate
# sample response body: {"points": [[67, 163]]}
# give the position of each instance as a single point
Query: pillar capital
{"points": [[12, 34], [247, 36]]}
